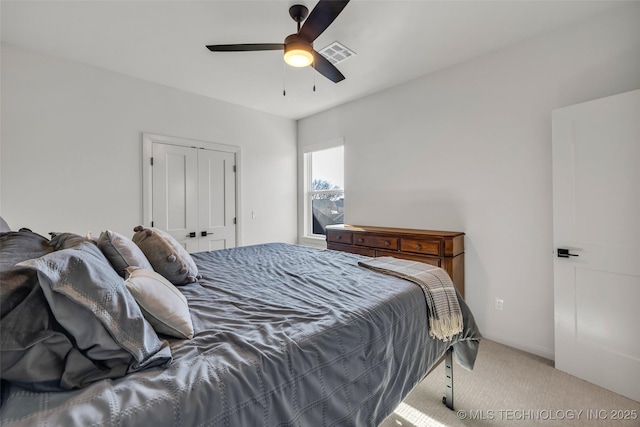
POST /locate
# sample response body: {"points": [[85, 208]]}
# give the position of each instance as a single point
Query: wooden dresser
{"points": [[444, 249]]}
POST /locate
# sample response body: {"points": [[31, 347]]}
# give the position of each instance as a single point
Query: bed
{"points": [[283, 335]]}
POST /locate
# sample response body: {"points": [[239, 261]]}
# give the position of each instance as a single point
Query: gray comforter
{"points": [[284, 335]]}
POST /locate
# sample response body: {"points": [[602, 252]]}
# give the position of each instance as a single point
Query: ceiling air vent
{"points": [[336, 52]]}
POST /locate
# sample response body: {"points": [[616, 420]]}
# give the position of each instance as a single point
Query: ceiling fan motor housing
{"points": [[296, 46]]}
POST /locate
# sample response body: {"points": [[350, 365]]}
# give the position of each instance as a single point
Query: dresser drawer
{"points": [[420, 246], [352, 249], [344, 237], [373, 241], [420, 258]]}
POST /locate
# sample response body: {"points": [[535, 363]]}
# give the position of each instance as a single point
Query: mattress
{"points": [[284, 335]]}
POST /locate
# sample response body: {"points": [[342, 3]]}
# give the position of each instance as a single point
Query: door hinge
{"points": [[152, 161], [152, 223], [235, 221], [234, 168]]}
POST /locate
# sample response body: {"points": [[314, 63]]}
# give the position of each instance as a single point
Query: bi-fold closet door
{"points": [[193, 195]]}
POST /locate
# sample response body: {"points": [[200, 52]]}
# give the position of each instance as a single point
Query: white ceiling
{"points": [[164, 42]]}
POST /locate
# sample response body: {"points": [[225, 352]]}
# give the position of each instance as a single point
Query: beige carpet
{"points": [[509, 387]]}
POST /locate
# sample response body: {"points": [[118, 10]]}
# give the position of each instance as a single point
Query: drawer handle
{"points": [[386, 243], [418, 247], [360, 240]]}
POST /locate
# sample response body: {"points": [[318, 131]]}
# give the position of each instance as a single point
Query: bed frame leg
{"points": [[447, 399]]}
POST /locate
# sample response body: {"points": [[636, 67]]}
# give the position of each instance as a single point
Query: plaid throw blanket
{"points": [[445, 316]]}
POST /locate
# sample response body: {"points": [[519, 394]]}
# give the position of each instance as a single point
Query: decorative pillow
{"points": [[93, 305], [166, 255], [4, 227], [121, 252], [162, 304]]}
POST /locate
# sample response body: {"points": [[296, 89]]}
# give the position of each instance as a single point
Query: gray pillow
{"points": [[4, 227], [166, 255], [122, 252], [92, 304]]}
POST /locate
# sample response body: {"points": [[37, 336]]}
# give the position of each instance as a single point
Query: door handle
{"points": [[564, 253], [192, 234], [205, 234]]}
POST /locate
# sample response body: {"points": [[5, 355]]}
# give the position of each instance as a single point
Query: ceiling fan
{"points": [[298, 47]]}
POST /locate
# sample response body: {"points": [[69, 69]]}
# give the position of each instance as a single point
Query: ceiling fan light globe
{"points": [[297, 51], [298, 57]]}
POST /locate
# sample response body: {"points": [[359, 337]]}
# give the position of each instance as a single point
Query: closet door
{"points": [[194, 195], [217, 200], [175, 193]]}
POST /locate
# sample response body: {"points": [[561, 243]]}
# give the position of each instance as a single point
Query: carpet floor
{"points": [[509, 387]]}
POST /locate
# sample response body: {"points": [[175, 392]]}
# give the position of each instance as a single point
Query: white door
{"points": [[193, 196], [217, 200], [175, 193], [596, 215]]}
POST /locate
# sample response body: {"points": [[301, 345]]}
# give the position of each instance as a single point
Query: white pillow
{"points": [[161, 303]]}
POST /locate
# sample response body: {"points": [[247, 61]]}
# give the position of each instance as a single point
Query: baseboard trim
{"points": [[547, 353]]}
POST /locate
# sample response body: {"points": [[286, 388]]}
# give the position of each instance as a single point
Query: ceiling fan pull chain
{"points": [[314, 75], [284, 79]]}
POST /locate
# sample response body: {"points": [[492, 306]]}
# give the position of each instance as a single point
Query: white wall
{"points": [[469, 149], [72, 148]]}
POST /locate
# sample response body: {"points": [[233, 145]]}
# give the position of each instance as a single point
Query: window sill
{"points": [[316, 242]]}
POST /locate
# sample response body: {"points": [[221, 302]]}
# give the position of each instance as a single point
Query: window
{"points": [[324, 190]]}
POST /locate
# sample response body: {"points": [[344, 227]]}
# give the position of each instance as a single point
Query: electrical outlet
{"points": [[499, 304]]}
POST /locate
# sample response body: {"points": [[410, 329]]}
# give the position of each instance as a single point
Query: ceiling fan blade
{"points": [[325, 12], [326, 68], [248, 47]]}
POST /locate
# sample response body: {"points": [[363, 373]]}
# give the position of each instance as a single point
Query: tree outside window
{"points": [[327, 205], [325, 189]]}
